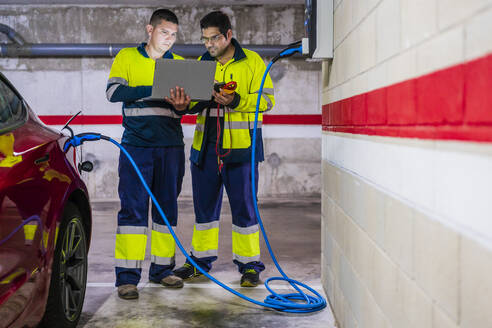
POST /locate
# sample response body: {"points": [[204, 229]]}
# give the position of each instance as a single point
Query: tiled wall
{"points": [[388, 263], [407, 212]]}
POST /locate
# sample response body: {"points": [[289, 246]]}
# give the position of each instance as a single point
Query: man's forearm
{"points": [[118, 92]]}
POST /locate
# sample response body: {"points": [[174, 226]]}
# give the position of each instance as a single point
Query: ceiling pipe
{"points": [[111, 49], [12, 34], [22, 49]]}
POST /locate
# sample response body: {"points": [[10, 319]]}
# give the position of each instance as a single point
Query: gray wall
{"points": [[63, 86]]}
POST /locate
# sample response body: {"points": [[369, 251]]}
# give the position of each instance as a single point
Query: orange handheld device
{"points": [[228, 87]]}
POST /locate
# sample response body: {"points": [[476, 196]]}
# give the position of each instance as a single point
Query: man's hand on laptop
{"points": [[179, 99]]}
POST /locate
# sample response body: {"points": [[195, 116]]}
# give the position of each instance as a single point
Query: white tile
{"points": [[360, 83], [478, 40], [442, 51], [454, 11], [327, 245], [334, 70], [346, 89], [372, 3], [441, 320], [335, 268], [343, 21], [384, 287], [443, 183], [476, 284], [372, 316], [325, 97], [360, 8], [419, 181], [377, 77], [367, 39], [335, 94], [437, 266], [343, 69], [362, 257], [374, 208], [417, 306], [388, 29], [402, 67], [418, 21], [463, 190], [394, 165], [353, 57], [398, 234], [351, 287], [338, 67]]}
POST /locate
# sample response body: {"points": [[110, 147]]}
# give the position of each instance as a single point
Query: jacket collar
{"points": [[143, 52], [238, 52]]}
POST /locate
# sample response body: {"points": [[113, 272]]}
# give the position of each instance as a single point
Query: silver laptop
{"points": [[196, 77]]}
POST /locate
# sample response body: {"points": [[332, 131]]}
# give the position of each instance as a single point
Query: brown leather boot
{"points": [[128, 292], [172, 281]]}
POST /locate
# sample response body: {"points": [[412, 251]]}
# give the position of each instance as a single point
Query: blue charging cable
{"points": [[299, 302]]}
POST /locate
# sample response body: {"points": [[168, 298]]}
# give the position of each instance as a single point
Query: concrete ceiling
{"points": [[157, 3]]}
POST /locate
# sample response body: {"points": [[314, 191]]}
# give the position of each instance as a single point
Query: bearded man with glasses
{"points": [[221, 152]]}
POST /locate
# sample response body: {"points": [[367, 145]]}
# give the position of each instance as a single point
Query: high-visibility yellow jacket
{"points": [[148, 123], [247, 69]]}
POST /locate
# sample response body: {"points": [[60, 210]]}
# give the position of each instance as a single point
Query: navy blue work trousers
{"points": [[163, 170], [208, 184]]}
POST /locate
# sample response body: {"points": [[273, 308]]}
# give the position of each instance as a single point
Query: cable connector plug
{"points": [[79, 139], [291, 50]]}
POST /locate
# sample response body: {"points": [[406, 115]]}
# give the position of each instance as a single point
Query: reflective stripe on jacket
{"points": [[247, 69]]}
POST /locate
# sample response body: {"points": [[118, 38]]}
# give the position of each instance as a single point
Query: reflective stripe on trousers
{"points": [[130, 246], [162, 245], [205, 242], [245, 243], [207, 198]]}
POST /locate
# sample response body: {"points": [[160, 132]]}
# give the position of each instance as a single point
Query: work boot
{"points": [[250, 278], [172, 281], [128, 292], [187, 272]]}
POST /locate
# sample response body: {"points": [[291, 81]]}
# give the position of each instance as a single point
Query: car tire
{"points": [[69, 273]]}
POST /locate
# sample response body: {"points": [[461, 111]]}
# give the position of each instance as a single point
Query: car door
{"points": [[24, 195]]}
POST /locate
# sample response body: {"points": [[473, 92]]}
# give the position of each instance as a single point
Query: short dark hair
{"points": [[163, 14], [216, 19]]}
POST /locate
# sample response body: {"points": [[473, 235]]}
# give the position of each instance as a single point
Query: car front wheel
{"points": [[69, 273]]}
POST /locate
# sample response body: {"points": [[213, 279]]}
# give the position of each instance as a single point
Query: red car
{"points": [[45, 221]]}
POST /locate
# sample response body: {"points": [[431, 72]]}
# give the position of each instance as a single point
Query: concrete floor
{"points": [[294, 231]]}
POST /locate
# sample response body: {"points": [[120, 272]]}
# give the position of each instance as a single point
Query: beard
{"points": [[216, 52]]}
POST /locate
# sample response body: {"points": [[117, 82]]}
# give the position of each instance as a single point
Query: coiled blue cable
{"points": [[275, 301], [287, 301], [299, 302]]}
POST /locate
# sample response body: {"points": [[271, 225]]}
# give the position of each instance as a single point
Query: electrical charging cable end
{"points": [[79, 139], [288, 52]]}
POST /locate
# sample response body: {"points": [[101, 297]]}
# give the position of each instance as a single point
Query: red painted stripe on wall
{"points": [[450, 104], [314, 119]]}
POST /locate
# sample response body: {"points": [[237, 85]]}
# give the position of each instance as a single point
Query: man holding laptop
{"points": [[154, 138], [221, 152]]}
